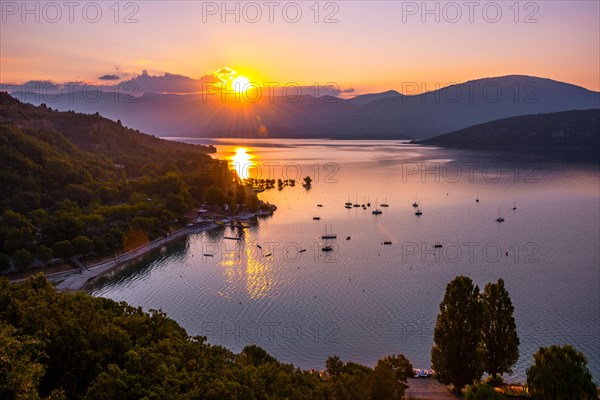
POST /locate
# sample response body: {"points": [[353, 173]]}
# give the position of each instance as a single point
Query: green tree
{"points": [[400, 365], [384, 384], [334, 365], [480, 391], [252, 203], [20, 371], [560, 372], [215, 196], [254, 355], [15, 231], [45, 253], [63, 249], [240, 194], [22, 259], [4, 262], [499, 339], [457, 335], [82, 245]]}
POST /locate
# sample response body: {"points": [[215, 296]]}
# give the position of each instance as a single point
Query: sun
{"points": [[241, 84]]}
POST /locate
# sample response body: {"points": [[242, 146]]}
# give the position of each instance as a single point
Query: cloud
{"points": [[349, 90], [110, 77]]}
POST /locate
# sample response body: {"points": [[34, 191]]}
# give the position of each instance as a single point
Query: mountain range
{"points": [[387, 115]]}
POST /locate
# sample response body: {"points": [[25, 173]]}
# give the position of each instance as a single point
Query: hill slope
{"points": [[75, 184], [569, 129]]}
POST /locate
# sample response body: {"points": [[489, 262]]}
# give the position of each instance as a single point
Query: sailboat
{"points": [[385, 204], [515, 206], [348, 203], [419, 212], [376, 211], [356, 204], [415, 204], [500, 217], [328, 235], [477, 199]]}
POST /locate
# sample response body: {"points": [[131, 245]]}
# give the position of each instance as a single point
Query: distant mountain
{"points": [[367, 98], [387, 115], [568, 129]]}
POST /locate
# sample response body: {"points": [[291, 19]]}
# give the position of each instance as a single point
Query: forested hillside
{"points": [[76, 184]]}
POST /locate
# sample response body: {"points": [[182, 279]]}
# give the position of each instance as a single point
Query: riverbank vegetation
{"points": [[80, 185], [75, 346]]}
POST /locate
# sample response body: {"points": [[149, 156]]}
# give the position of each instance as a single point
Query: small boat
{"points": [[232, 238], [348, 206], [369, 204], [415, 204], [268, 255], [348, 238], [387, 243], [319, 205], [385, 204], [376, 211], [419, 212], [477, 199], [438, 246], [328, 235], [208, 255], [348, 203], [500, 217], [259, 246], [515, 206], [301, 251], [317, 218], [327, 248]]}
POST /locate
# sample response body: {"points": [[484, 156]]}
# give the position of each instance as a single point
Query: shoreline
{"points": [[76, 280]]}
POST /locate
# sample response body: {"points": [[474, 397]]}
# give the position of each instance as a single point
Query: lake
{"points": [[364, 299]]}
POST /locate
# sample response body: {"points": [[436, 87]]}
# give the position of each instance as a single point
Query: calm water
{"points": [[365, 299]]}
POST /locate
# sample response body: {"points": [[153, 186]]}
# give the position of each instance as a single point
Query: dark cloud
{"points": [[349, 90], [109, 78]]}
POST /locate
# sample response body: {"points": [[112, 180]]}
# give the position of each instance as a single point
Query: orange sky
{"points": [[368, 46]]}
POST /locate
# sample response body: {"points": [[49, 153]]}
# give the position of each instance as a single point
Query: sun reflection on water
{"points": [[242, 162]]}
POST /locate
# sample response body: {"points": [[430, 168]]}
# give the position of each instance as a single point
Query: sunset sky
{"points": [[373, 46]]}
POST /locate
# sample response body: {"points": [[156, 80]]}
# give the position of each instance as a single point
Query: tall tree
{"points": [[457, 335], [560, 372], [240, 194], [499, 339]]}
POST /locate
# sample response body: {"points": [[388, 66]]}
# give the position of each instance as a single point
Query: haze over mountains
{"points": [[387, 115]]}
